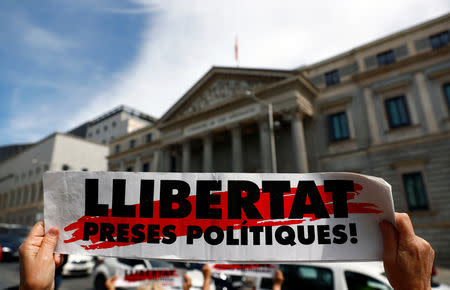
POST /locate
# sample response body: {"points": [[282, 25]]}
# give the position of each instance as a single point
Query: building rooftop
{"points": [[123, 108]]}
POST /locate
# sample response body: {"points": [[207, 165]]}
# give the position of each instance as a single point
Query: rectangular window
{"points": [[146, 167], [415, 191], [338, 127], [148, 138], [117, 149], [447, 94], [386, 58], [439, 40], [397, 112], [332, 78], [132, 143], [173, 164]]}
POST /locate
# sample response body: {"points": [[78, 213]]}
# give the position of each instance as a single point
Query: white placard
{"points": [[219, 217], [167, 278], [252, 270]]}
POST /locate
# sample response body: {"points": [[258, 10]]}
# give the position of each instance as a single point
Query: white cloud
{"points": [[40, 38], [188, 37]]}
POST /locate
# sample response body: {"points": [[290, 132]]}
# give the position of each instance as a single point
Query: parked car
{"points": [[78, 265], [10, 246], [108, 267], [11, 237], [15, 229]]}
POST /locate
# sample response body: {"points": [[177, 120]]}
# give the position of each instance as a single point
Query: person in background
{"points": [[58, 271], [187, 282], [278, 280], [206, 270], [407, 258]]}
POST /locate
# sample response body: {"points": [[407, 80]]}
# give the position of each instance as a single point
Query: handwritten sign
{"points": [[219, 216]]}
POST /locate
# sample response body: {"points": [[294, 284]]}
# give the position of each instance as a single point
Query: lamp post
{"points": [[273, 154]]}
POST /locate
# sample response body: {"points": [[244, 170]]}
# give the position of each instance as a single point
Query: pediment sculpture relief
{"points": [[220, 91]]}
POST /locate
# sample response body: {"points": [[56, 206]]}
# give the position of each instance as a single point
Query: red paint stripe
{"points": [[262, 204]]}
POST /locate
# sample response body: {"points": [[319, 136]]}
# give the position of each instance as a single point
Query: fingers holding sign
{"points": [[37, 261], [408, 259]]}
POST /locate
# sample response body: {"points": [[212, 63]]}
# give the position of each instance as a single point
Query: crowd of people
{"points": [[407, 258]]}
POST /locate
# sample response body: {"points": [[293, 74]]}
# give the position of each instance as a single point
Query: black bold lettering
{"points": [[268, 234], [91, 206], [146, 198], [256, 230], [236, 202], [231, 240], [167, 199], [340, 236], [209, 238], [288, 239], [323, 234], [89, 229], [122, 233], [106, 232], [244, 235], [153, 234], [276, 189], [169, 234], [339, 189], [316, 206], [205, 199], [301, 235], [119, 208], [193, 232], [138, 233]]}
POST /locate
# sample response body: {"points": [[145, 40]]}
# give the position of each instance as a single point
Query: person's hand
{"points": [[278, 280], [187, 282], [37, 261], [110, 284], [408, 259], [206, 270]]}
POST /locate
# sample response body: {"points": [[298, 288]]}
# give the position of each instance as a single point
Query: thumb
{"points": [[49, 243], [390, 241]]}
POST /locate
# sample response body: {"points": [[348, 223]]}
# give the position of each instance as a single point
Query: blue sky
{"points": [[65, 62]]}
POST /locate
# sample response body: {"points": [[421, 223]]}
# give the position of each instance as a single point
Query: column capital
{"points": [[234, 126], [295, 114]]}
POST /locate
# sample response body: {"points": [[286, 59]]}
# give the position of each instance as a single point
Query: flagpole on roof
{"points": [[236, 50]]}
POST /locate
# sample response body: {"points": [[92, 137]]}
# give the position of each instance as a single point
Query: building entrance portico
{"points": [[201, 134]]}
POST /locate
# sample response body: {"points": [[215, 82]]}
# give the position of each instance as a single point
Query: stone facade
{"points": [[21, 192], [380, 109]]}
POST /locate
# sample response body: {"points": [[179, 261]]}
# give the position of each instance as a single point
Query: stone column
{"points": [[122, 166], [371, 116], [236, 148], [264, 145], [207, 153], [165, 160], [298, 143], [425, 100], [154, 165], [186, 156], [138, 164]]}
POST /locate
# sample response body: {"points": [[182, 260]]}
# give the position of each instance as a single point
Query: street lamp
{"points": [[273, 153]]}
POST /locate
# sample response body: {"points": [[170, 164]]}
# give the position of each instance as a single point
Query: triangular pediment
{"points": [[219, 86]]}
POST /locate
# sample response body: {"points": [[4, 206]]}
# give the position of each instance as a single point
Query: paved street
{"points": [[9, 278]]}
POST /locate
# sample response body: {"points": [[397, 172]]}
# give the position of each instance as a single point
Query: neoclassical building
{"points": [[380, 109]]}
